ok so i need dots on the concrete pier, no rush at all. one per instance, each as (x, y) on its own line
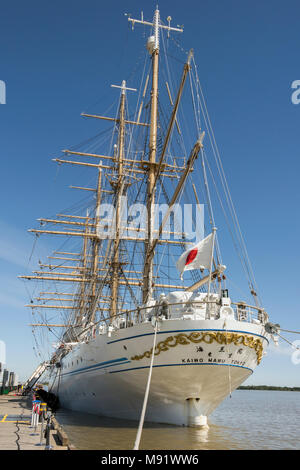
(15, 430)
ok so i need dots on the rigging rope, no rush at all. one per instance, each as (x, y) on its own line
(287, 341)
(33, 248)
(290, 331)
(239, 236)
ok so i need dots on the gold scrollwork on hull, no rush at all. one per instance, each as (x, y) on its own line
(206, 337)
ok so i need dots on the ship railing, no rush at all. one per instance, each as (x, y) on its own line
(192, 309)
(249, 313)
(207, 309)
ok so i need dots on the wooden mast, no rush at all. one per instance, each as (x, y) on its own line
(153, 47)
(148, 266)
(84, 264)
(115, 263)
(96, 247)
(118, 186)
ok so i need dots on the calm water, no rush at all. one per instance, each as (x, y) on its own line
(248, 420)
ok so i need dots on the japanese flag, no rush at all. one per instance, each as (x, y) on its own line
(198, 257)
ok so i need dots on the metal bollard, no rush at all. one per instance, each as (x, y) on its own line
(47, 432)
(35, 415)
(32, 414)
(42, 410)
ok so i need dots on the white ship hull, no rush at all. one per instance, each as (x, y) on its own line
(194, 369)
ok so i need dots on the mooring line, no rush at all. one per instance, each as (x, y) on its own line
(141, 423)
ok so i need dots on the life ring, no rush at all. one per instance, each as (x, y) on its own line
(226, 312)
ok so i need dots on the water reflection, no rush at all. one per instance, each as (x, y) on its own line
(95, 433)
(200, 436)
(243, 422)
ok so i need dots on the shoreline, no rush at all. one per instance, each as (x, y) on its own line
(269, 388)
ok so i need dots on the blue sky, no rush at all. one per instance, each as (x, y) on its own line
(59, 58)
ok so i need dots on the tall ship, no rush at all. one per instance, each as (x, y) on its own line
(137, 282)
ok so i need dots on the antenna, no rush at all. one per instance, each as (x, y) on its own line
(156, 25)
(123, 87)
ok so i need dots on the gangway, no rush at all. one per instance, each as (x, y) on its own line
(35, 375)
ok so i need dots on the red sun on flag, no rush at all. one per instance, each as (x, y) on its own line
(191, 256)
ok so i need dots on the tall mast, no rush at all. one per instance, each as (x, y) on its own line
(153, 47)
(96, 246)
(148, 266)
(84, 265)
(118, 187)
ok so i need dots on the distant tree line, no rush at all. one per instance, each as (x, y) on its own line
(269, 387)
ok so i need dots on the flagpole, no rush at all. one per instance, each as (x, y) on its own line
(214, 229)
